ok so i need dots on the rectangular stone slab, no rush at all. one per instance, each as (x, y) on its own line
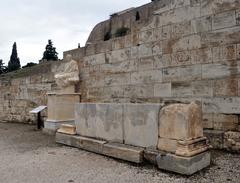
(109, 121)
(182, 165)
(102, 121)
(85, 119)
(124, 152)
(88, 144)
(141, 124)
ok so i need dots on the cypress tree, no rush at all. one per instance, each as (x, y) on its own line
(50, 52)
(2, 67)
(14, 63)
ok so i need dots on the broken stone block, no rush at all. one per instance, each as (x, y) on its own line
(124, 152)
(67, 129)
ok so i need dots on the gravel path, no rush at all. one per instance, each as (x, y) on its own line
(28, 156)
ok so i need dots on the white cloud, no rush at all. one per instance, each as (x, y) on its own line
(67, 22)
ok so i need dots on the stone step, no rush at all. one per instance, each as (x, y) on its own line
(67, 129)
(178, 164)
(124, 152)
(116, 150)
(183, 165)
(85, 143)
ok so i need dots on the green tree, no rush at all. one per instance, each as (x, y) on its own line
(2, 67)
(14, 63)
(50, 52)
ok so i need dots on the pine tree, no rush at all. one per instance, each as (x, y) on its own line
(50, 53)
(14, 63)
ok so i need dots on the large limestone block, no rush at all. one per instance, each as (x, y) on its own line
(141, 124)
(61, 106)
(109, 122)
(85, 119)
(103, 121)
(226, 105)
(181, 122)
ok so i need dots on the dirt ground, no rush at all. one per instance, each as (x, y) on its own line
(28, 156)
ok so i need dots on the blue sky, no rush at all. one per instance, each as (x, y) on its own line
(67, 22)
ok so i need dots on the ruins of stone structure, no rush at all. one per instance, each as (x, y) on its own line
(169, 136)
(167, 52)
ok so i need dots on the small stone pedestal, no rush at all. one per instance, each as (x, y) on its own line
(181, 139)
(61, 107)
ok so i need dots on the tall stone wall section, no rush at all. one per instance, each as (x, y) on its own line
(24, 90)
(179, 50)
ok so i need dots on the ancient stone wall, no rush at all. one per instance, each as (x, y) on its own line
(24, 90)
(178, 50)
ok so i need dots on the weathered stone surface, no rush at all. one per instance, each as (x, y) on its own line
(61, 106)
(141, 124)
(65, 139)
(124, 152)
(223, 20)
(67, 129)
(181, 89)
(169, 145)
(109, 122)
(186, 73)
(70, 74)
(215, 137)
(85, 119)
(227, 105)
(163, 90)
(207, 121)
(225, 122)
(146, 77)
(224, 53)
(118, 55)
(95, 59)
(181, 122)
(178, 15)
(215, 71)
(181, 165)
(202, 88)
(226, 87)
(202, 24)
(117, 79)
(151, 155)
(85, 143)
(232, 141)
(90, 144)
